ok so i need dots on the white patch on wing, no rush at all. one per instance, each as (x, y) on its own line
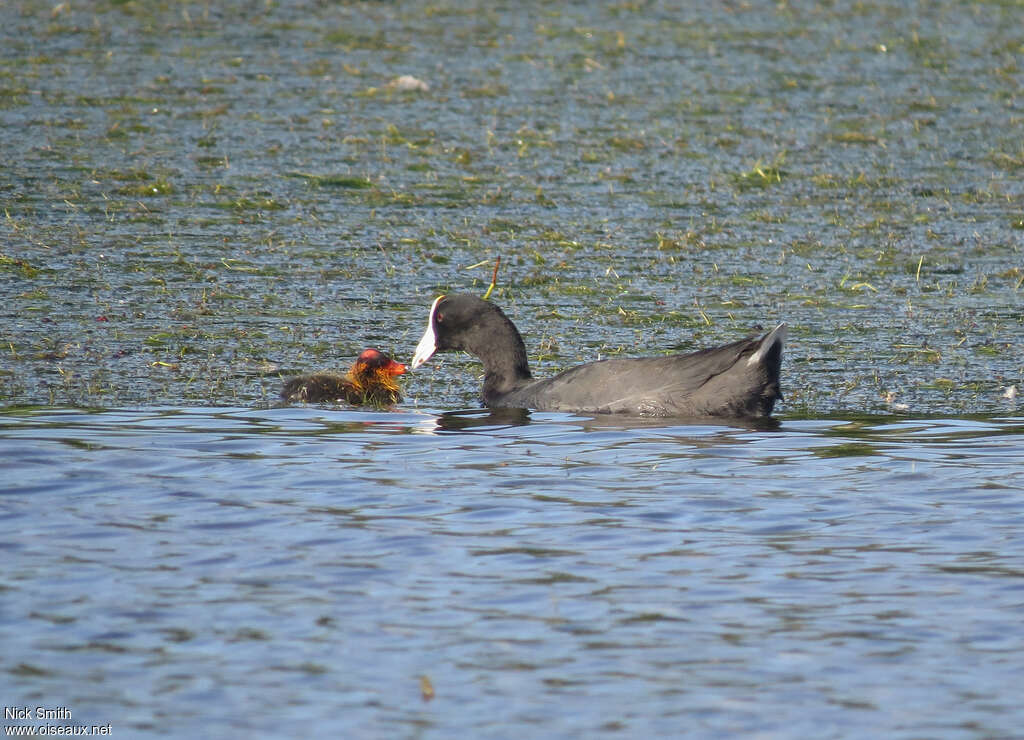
(776, 336)
(428, 342)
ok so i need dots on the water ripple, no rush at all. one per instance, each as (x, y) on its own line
(868, 571)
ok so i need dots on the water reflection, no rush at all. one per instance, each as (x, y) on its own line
(480, 419)
(251, 556)
(470, 419)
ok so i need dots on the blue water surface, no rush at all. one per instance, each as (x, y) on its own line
(305, 571)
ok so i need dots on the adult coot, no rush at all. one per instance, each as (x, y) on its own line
(736, 380)
(370, 381)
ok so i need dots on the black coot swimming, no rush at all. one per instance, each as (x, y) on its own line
(737, 380)
(370, 381)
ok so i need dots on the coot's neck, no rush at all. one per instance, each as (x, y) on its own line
(503, 354)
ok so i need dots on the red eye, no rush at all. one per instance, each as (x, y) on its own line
(440, 318)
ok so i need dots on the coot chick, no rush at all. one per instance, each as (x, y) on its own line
(737, 380)
(370, 381)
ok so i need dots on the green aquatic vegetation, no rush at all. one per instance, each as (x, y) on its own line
(536, 279)
(237, 265)
(38, 294)
(579, 289)
(554, 238)
(14, 264)
(683, 319)
(626, 143)
(676, 319)
(542, 199)
(503, 225)
(250, 204)
(445, 192)
(13, 97)
(486, 90)
(673, 244)
(620, 177)
(924, 104)
(991, 350)
(149, 189)
(931, 52)
(916, 354)
(393, 135)
(378, 197)
(353, 40)
(848, 449)
(768, 217)
(160, 339)
(122, 175)
(745, 280)
(854, 137)
(761, 175)
(211, 162)
(592, 169)
(1008, 161)
(351, 182)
